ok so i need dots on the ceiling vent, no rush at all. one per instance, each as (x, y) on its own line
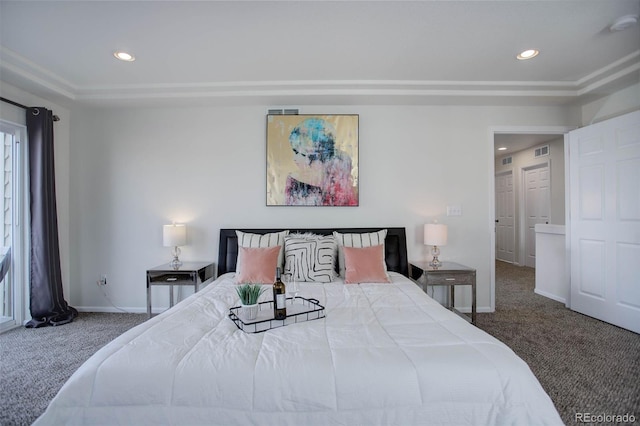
(283, 111)
(507, 160)
(541, 151)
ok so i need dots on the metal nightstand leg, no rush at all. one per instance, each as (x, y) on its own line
(148, 296)
(452, 290)
(473, 300)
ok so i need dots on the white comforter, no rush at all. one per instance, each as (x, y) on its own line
(384, 354)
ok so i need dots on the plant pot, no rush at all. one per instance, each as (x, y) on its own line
(250, 312)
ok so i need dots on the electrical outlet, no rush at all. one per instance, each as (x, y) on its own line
(102, 280)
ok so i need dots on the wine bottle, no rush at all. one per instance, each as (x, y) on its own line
(279, 298)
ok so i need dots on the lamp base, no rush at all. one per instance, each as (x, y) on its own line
(435, 262)
(176, 263)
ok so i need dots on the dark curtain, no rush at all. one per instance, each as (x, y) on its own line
(47, 303)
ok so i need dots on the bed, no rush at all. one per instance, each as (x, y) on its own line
(385, 353)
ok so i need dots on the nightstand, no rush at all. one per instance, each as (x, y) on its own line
(190, 273)
(449, 274)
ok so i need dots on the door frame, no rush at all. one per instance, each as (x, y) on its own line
(494, 130)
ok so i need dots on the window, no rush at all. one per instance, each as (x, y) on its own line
(13, 285)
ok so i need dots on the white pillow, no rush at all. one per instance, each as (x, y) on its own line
(248, 240)
(367, 239)
(310, 257)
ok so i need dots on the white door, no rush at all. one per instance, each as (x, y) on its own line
(537, 207)
(604, 179)
(505, 232)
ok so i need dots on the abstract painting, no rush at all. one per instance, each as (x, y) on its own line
(312, 160)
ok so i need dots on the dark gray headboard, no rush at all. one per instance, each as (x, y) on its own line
(395, 246)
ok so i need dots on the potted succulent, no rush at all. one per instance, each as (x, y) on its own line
(249, 295)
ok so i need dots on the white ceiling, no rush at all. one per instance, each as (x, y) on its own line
(519, 142)
(304, 52)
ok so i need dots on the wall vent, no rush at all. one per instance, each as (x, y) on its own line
(283, 111)
(507, 160)
(541, 151)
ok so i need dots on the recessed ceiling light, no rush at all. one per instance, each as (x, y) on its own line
(502, 148)
(624, 22)
(528, 54)
(124, 56)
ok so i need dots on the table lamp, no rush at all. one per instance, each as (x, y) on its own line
(435, 235)
(175, 235)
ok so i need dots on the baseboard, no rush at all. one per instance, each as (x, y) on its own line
(125, 310)
(551, 296)
(158, 310)
(479, 310)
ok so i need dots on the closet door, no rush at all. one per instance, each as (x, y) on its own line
(505, 231)
(605, 220)
(537, 206)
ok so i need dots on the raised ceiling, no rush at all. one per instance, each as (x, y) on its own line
(291, 52)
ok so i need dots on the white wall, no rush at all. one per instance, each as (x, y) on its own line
(135, 169)
(618, 103)
(123, 173)
(551, 263)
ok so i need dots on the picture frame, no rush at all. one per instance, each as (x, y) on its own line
(312, 160)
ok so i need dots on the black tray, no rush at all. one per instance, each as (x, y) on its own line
(300, 311)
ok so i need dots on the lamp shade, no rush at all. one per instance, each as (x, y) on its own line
(435, 234)
(174, 235)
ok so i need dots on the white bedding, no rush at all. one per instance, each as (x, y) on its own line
(384, 354)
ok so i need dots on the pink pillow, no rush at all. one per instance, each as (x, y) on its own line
(258, 265)
(364, 265)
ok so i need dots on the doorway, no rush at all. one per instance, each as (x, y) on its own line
(519, 140)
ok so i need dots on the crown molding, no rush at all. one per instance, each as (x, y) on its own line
(624, 63)
(30, 76)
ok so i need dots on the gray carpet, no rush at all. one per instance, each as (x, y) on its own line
(35, 362)
(585, 365)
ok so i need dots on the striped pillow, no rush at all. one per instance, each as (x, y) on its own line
(367, 239)
(310, 257)
(249, 240)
